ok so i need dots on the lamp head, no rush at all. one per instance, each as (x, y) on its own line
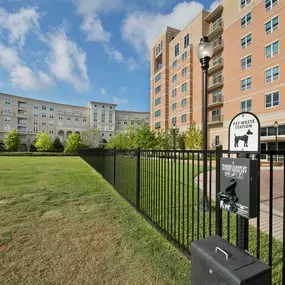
(205, 48)
(276, 124)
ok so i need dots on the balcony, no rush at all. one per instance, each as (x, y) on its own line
(23, 115)
(22, 123)
(216, 82)
(210, 17)
(216, 101)
(5, 113)
(59, 112)
(216, 65)
(22, 105)
(215, 29)
(216, 120)
(218, 45)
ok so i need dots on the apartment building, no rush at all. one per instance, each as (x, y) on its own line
(30, 116)
(245, 71)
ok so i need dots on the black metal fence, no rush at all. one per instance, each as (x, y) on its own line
(166, 188)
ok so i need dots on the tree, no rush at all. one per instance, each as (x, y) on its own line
(12, 141)
(181, 140)
(90, 138)
(43, 142)
(145, 138)
(73, 144)
(194, 137)
(57, 145)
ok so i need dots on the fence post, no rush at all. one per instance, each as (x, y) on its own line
(219, 213)
(138, 180)
(114, 167)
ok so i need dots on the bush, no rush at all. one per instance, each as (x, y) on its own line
(43, 142)
(35, 154)
(73, 144)
(12, 141)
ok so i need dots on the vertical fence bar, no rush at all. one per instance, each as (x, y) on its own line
(114, 167)
(270, 209)
(188, 203)
(258, 212)
(179, 199)
(164, 192)
(183, 201)
(156, 188)
(158, 177)
(219, 213)
(193, 197)
(168, 194)
(198, 199)
(171, 198)
(283, 255)
(210, 197)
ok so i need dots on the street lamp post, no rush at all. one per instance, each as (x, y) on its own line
(174, 137)
(204, 53)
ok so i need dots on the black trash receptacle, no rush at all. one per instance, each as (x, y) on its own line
(217, 262)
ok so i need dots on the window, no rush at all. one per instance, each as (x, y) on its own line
(84, 120)
(272, 74)
(216, 115)
(7, 110)
(243, 3)
(246, 20)
(272, 100)
(44, 123)
(103, 115)
(76, 119)
(184, 87)
(36, 114)
(36, 121)
(174, 121)
(36, 129)
(174, 63)
(51, 116)
(110, 118)
(95, 115)
(44, 107)
(7, 119)
(245, 62)
(272, 25)
(217, 78)
(157, 113)
(184, 102)
(174, 106)
(132, 122)
(184, 56)
(7, 101)
(68, 118)
(176, 50)
(183, 118)
(44, 115)
(157, 101)
(158, 48)
(157, 125)
(184, 71)
(186, 41)
(269, 4)
(245, 106)
(245, 84)
(51, 108)
(218, 60)
(174, 92)
(60, 117)
(51, 122)
(157, 77)
(272, 50)
(217, 96)
(157, 89)
(263, 132)
(245, 41)
(281, 130)
(174, 78)
(217, 140)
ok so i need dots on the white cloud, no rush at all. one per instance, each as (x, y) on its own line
(215, 4)
(18, 24)
(103, 92)
(123, 89)
(20, 75)
(141, 28)
(67, 61)
(119, 101)
(114, 54)
(131, 64)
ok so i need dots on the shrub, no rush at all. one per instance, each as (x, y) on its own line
(43, 142)
(22, 153)
(12, 141)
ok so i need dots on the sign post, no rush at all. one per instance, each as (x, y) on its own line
(239, 176)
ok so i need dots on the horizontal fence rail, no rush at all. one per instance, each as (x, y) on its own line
(166, 187)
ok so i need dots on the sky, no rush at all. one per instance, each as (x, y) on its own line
(76, 51)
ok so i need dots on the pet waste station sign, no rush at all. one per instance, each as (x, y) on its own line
(244, 133)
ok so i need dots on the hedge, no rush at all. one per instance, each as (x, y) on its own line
(22, 153)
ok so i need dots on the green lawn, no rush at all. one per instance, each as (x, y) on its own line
(61, 223)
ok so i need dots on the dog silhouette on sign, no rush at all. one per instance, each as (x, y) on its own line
(243, 138)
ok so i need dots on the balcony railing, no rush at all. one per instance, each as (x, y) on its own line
(6, 113)
(216, 119)
(22, 106)
(22, 123)
(216, 100)
(215, 82)
(23, 115)
(217, 45)
(216, 28)
(216, 65)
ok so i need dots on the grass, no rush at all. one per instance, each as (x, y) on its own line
(170, 198)
(61, 223)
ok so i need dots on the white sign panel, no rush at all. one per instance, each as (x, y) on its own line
(244, 133)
